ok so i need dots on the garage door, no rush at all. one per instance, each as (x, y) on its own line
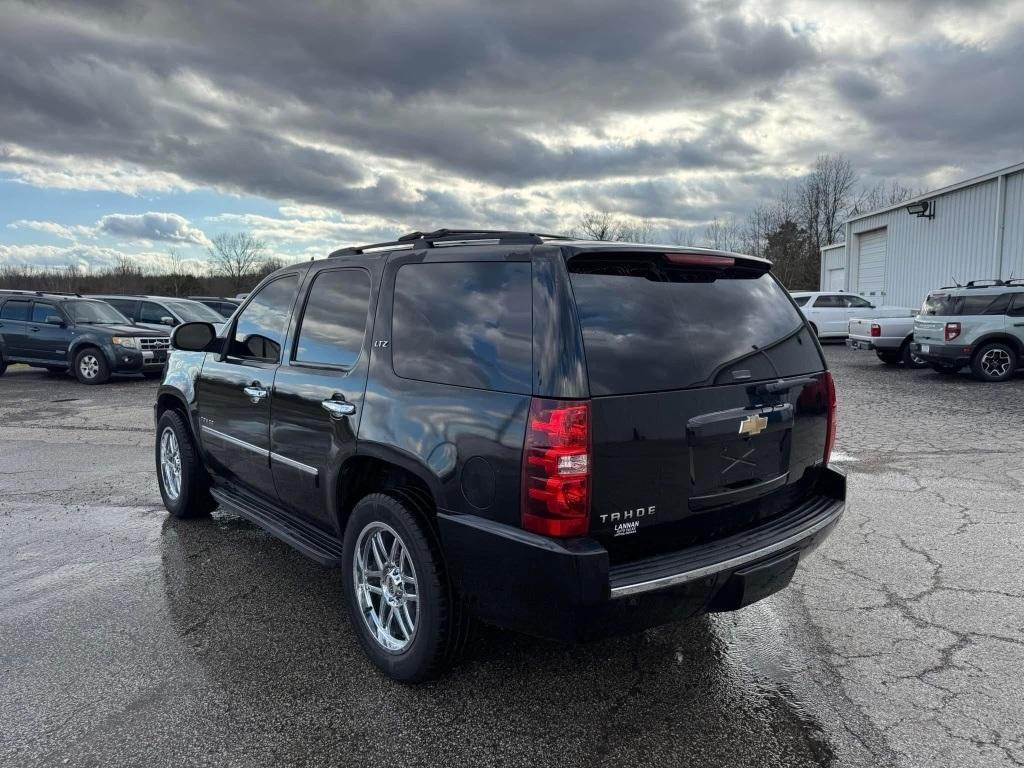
(871, 274)
(836, 279)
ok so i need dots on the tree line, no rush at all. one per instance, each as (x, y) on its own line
(790, 229)
(237, 262)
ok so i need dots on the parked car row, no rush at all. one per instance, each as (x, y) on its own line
(94, 337)
(979, 325)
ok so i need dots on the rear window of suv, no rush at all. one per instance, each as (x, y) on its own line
(650, 326)
(947, 305)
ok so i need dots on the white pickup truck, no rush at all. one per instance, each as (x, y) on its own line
(889, 337)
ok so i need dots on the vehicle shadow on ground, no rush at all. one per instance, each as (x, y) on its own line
(271, 628)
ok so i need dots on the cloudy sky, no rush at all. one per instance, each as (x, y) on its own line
(138, 127)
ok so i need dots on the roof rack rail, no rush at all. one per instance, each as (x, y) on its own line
(988, 283)
(452, 237)
(20, 292)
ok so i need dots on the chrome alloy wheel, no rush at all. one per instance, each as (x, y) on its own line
(385, 587)
(89, 365)
(170, 463)
(917, 360)
(995, 363)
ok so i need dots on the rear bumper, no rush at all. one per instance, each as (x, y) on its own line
(568, 589)
(876, 343)
(943, 354)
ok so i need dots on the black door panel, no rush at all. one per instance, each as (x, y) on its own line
(318, 393)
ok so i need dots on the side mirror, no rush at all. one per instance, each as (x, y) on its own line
(872, 306)
(55, 320)
(193, 337)
(167, 320)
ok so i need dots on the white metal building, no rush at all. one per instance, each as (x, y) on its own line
(973, 230)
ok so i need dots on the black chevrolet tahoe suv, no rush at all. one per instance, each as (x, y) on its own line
(562, 437)
(61, 332)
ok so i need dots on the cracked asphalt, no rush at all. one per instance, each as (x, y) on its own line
(129, 638)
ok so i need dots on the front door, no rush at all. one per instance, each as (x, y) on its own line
(46, 341)
(233, 392)
(318, 393)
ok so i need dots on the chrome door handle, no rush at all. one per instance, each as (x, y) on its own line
(338, 408)
(255, 393)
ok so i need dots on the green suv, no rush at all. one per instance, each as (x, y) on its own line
(980, 325)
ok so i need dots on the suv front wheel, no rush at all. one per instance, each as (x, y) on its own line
(994, 362)
(184, 485)
(91, 366)
(401, 604)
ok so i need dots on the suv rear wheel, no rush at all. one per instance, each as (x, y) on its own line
(184, 485)
(995, 361)
(401, 604)
(91, 366)
(909, 359)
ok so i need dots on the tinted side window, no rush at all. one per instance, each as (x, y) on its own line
(260, 329)
(14, 310)
(829, 302)
(1017, 307)
(334, 322)
(124, 306)
(151, 312)
(42, 311)
(468, 323)
(857, 302)
(800, 300)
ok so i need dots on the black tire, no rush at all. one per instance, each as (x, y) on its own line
(909, 359)
(91, 366)
(439, 625)
(193, 497)
(944, 368)
(994, 361)
(3, 365)
(889, 358)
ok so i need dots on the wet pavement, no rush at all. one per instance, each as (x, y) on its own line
(129, 638)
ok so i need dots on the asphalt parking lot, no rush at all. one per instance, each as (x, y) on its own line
(129, 638)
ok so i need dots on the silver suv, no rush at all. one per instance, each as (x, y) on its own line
(980, 325)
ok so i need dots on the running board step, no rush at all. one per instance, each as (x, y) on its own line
(309, 540)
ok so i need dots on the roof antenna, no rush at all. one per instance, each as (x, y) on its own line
(956, 282)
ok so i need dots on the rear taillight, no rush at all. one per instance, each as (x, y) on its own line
(830, 400)
(556, 468)
(952, 331)
(876, 330)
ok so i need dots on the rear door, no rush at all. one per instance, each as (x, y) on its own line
(318, 392)
(14, 318)
(46, 341)
(233, 391)
(830, 313)
(688, 441)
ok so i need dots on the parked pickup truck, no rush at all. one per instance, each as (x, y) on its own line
(889, 337)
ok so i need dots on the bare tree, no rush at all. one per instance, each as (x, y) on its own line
(686, 237)
(597, 225)
(723, 234)
(825, 197)
(237, 257)
(882, 195)
(639, 231)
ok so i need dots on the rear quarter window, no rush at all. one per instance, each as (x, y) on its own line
(650, 327)
(465, 323)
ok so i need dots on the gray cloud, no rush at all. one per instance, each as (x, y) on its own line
(407, 112)
(166, 227)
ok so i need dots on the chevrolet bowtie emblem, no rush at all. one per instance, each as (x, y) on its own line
(753, 425)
